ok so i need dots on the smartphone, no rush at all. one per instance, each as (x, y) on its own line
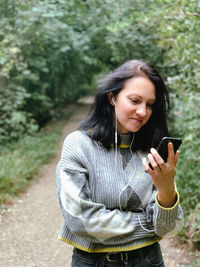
(162, 148)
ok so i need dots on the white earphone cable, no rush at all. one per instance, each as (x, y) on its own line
(134, 171)
(135, 167)
(116, 139)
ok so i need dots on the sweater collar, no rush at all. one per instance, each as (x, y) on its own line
(124, 140)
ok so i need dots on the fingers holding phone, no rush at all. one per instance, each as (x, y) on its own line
(157, 166)
(162, 169)
(166, 150)
(155, 160)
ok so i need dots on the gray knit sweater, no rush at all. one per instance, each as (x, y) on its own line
(109, 203)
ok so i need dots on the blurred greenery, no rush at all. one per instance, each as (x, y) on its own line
(51, 51)
(20, 161)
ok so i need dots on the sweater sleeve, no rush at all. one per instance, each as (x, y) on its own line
(85, 218)
(163, 219)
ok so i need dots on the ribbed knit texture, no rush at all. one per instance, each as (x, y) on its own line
(108, 204)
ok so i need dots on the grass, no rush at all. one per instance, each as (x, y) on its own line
(22, 160)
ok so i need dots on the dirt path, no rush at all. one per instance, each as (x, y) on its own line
(29, 228)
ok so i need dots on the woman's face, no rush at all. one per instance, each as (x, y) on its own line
(134, 104)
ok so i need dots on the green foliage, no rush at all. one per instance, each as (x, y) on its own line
(186, 119)
(130, 37)
(13, 121)
(122, 33)
(51, 50)
(43, 61)
(21, 161)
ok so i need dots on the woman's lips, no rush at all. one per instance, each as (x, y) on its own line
(139, 121)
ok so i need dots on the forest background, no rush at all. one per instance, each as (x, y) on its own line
(53, 51)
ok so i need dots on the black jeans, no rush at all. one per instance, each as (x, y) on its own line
(149, 256)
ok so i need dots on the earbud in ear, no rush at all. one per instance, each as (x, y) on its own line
(113, 101)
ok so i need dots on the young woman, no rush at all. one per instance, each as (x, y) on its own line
(116, 208)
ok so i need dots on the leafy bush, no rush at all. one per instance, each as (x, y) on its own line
(44, 62)
(13, 121)
(186, 119)
(21, 161)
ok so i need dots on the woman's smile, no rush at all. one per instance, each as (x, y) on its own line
(135, 120)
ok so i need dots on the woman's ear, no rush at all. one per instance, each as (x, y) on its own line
(111, 98)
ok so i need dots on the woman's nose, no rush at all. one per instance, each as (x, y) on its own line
(141, 110)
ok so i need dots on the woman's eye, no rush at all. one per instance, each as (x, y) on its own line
(135, 101)
(150, 106)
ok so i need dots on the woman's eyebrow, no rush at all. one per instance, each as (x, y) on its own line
(136, 95)
(152, 100)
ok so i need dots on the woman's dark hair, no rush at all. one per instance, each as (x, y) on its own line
(100, 118)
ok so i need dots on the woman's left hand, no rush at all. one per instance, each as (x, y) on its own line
(163, 175)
